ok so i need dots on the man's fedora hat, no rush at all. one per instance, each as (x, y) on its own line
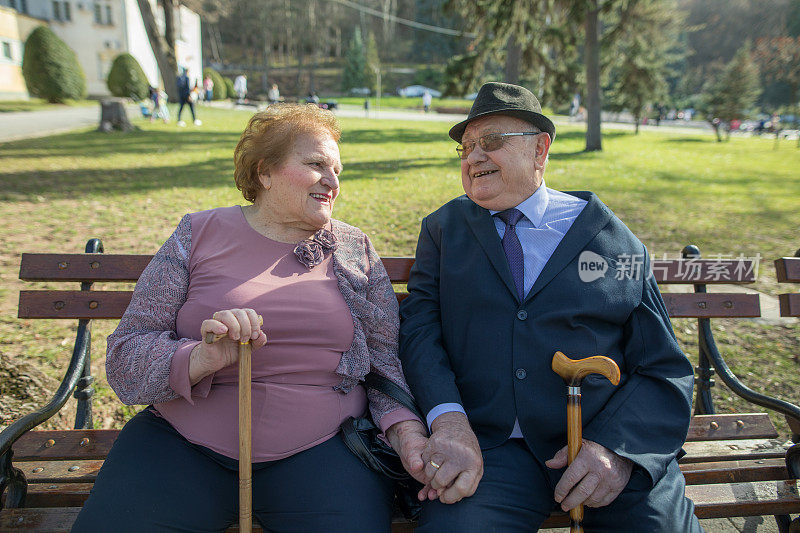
(496, 98)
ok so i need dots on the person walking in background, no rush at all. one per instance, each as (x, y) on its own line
(426, 101)
(185, 98)
(240, 86)
(208, 87)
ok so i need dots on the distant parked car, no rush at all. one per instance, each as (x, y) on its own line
(415, 91)
(360, 91)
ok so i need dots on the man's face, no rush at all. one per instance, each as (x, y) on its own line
(503, 178)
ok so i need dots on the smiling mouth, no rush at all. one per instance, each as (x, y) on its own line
(483, 173)
(322, 198)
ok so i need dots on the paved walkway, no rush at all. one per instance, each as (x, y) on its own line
(29, 124)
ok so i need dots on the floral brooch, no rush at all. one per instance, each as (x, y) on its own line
(311, 252)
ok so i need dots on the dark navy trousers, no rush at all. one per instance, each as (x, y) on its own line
(155, 480)
(515, 495)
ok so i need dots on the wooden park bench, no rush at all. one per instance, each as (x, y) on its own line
(734, 463)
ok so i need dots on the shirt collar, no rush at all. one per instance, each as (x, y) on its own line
(534, 206)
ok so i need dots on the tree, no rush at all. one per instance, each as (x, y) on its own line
(163, 46)
(779, 61)
(355, 65)
(548, 33)
(51, 69)
(733, 94)
(127, 79)
(372, 63)
(643, 51)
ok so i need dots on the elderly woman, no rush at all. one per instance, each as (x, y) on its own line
(329, 317)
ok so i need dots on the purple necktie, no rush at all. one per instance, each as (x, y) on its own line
(513, 248)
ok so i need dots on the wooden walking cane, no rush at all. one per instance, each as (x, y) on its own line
(245, 433)
(573, 371)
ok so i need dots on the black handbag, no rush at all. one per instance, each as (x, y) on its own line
(361, 436)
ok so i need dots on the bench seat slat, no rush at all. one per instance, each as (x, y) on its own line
(711, 501)
(731, 426)
(61, 519)
(33, 445)
(745, 499)
(695, 473)
(69, 471)
(789, 304)
(733, 450)
(787, 269)
(734, 471)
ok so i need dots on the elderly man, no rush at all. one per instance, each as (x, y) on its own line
(497, 288)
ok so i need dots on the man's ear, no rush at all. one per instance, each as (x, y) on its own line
(542, 149)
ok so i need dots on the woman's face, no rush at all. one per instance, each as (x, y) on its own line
(300, 193)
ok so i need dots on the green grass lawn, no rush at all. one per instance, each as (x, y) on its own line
(37, 104)
(130, 190)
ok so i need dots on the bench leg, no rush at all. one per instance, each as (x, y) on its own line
(83, 389)
(704, 403)
(14, 481)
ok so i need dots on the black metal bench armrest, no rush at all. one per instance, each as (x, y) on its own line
(709, 348)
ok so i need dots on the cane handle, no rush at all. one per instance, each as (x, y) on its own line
(573, 371)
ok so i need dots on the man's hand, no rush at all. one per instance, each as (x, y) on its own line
(408, 439)
(595, 478)
(454, 448)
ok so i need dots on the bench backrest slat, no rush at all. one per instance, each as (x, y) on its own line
(73, 304)
(82, 267)
(789, 304)
(112, 304)
(787, 269)
(712, 305)
(111, 267)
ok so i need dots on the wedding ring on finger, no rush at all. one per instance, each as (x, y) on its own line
(436, 466)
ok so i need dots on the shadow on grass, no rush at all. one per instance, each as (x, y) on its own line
(376, 136)
(72, 184)
(388, 168)
(96, 144)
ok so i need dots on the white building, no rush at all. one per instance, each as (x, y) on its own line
(100, 30)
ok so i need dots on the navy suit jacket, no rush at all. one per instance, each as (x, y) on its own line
(466, 338)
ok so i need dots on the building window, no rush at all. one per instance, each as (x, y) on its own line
(7, 50)
(61, 11)
(23, 6)
(102, 14)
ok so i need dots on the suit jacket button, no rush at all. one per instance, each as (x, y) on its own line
(520, 373)
(522, 314)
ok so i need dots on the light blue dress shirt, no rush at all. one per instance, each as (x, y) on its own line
(548, 216)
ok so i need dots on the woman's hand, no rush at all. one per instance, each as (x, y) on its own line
(235, 324)
(408, 438)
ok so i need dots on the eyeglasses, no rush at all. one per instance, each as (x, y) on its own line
(489, 143)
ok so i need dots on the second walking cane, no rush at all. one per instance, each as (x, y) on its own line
(573, 371)
(245, 434)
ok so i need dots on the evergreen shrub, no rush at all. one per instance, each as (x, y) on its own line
(127, 79)
(51, 69)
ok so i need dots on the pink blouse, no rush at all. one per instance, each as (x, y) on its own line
(298, 397)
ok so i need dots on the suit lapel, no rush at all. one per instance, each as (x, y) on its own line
(587, 225)
(480, 222)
